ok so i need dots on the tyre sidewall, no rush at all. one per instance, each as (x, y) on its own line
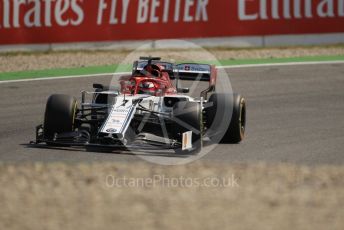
(59, 115)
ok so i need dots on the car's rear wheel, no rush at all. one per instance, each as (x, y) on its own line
(59, 116)
(188, 117)
(225, 106)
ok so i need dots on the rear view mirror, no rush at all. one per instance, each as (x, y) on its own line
(183, 90)
(98, 86)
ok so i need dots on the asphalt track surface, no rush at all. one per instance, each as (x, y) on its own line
(295, 114)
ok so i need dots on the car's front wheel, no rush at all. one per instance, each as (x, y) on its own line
(59, 116)
(226, 118)
(188, 119)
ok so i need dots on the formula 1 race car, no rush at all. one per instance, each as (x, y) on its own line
(147, 111)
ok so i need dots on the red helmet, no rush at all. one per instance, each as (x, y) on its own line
(147, 87)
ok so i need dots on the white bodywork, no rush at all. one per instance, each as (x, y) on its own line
(125, 107)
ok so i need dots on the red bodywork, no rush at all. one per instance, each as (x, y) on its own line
(159, 80)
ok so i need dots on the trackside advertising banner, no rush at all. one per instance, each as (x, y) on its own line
(58, 21)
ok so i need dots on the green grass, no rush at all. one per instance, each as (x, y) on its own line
(281, 60)
(124, 68)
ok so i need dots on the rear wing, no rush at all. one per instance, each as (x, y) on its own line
(185, 71)
(191, 71)
(197, 72)
(166, 66)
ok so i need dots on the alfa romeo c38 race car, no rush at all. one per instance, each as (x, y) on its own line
(147, 111)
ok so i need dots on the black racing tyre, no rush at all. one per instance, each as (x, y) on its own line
(225, 106)
(59, 116)
(188, 117)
